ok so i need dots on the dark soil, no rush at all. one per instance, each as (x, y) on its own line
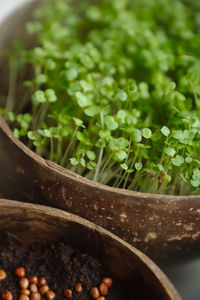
(61, 265)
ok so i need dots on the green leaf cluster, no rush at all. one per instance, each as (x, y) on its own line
(115, 92)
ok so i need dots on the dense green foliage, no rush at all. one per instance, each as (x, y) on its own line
(115, 92)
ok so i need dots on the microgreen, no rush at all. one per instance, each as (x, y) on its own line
(114, 93)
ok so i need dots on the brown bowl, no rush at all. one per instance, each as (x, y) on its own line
(31, 223)
(161, 226)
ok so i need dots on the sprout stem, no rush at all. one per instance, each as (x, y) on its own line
(63, 160)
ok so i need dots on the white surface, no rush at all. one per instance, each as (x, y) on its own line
(7, 6)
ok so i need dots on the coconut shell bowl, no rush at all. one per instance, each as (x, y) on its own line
(160, 225)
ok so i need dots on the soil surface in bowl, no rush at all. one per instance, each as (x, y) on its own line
(62, 266)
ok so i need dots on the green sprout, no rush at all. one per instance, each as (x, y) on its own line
(112, 91)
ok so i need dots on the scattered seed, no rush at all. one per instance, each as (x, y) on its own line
(7, 295)
(23, 297)
(33, 279)
(24, 283)
(2, 275)
(42, 281)
(94, 292)
(44, 289)
(50, 295)
(20, 272)
(36, 296)
(33, 288)
(108, 281)
(103, 289)
(68, 293)
(78, 287)
(25, 292)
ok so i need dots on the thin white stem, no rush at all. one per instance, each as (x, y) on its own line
(100, 153)
(98, 164)
(69, 146)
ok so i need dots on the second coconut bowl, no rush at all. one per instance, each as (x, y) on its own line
(162, 226)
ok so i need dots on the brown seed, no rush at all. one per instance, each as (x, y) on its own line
(2, 275)
(94, 292)
(7, 295)
(33, 288)
(103, 289)
(78, 287)
(44, 289)
(68, 293)
(23, 297)
(108, 281)
(25, 292)
(36, 296)
(20, 272)
(101, 298)
(50, 295)
(24, 283)
(33, 279)
(42, 281)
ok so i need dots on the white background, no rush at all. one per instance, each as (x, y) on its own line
(7, 6)
(186, 277)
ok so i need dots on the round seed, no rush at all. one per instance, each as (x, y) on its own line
(68, 293)
(42, 281)
(24, 283)
(78, 288)
(33, 279)
(50, 295)
(36, 296)
(94, 292)
(108, 281)
(20, 272)
(44, 289)
(23, 297)
(103, 289)
(25, 292)
(33, 288)
(2, 275)
(7, 295)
